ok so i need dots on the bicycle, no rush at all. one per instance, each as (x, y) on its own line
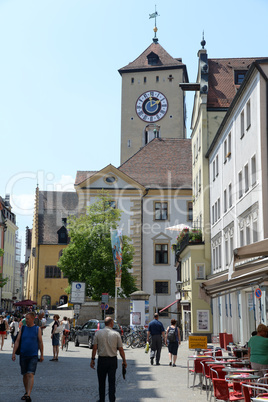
(66, 339)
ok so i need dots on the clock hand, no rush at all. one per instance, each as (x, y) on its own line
(150, 100)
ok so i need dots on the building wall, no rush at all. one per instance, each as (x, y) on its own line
(171, 125)
(9, 260)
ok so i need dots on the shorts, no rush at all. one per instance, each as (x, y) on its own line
(56, 340)
(173, 348)
(28, 364)
(3, 332)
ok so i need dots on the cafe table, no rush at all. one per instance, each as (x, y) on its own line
(241, 377)
(237, 370)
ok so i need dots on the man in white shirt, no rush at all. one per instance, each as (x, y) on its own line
(107, 342)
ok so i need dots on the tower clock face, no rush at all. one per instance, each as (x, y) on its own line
(151, 106)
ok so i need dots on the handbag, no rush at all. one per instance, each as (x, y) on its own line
(59, 329)
(18, 349)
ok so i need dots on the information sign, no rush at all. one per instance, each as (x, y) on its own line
(105, 298)
(78, 292)
(198, 342)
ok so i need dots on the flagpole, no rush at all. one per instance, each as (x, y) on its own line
(115, 305)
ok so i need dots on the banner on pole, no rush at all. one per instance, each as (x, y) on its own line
(117, 243)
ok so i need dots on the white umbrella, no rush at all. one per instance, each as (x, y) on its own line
(179, 227)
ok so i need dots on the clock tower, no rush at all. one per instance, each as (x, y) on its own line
(153, 104)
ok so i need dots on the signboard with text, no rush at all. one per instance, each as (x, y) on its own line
(198, 342)
(78, 290)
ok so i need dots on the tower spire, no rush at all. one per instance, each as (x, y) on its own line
(154, 15)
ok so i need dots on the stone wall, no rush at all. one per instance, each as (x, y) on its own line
(92, 310)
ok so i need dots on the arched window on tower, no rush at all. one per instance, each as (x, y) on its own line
(150, 132)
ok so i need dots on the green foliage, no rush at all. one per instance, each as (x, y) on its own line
(88, 258)
(3, 281)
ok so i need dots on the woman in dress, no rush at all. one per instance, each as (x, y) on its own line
(3, 330)
(14, 332)
(55, 336)
(173, 339)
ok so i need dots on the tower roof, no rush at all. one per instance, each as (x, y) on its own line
(162, 60)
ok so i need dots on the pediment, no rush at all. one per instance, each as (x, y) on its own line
(162, 236)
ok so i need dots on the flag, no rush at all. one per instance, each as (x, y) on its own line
(117, 242)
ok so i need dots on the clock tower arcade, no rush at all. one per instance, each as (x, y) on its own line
(153, 104)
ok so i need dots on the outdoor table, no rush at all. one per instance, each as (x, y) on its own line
(241, 377)
(239, 370)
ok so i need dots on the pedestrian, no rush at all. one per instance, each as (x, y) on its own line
(258, 350)
(156, 330)
(55, 336)
(14, 329)
(173, 340)
(30, 340)
(65, 330)
(3, 330)
(107, 342)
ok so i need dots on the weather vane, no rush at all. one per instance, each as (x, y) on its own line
(154, 15)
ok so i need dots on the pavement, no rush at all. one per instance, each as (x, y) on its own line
(71, 379)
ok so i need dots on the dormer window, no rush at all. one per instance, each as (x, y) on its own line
(153, 59)
(62, 235)
(239, 76)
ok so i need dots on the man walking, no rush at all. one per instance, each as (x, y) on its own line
(31, 340)
(107, 342)
(156, 329)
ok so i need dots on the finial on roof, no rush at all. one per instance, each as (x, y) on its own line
(154, 15)
(203, 42)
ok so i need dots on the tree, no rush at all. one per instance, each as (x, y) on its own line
(88, 258)
(3, 281)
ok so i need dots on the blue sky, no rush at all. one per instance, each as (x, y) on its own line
(60, 90)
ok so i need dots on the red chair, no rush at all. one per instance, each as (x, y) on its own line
(248, 389)
(206, 374)
(222, 392)
(198, 369)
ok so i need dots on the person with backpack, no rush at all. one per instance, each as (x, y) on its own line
(173, 340)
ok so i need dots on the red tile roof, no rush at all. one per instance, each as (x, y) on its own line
(165, 163)
(83, 175)
(221, 83)
(141, 62)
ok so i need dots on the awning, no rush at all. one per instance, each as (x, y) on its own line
(257, 249)
(63, 305)
(171, 304)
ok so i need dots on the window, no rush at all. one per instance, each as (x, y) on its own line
(219, 208)
(253, 170)
(161, 254)
(129, 143)
(62, 235)
(217, 165)
(196, 186)
(247, 235)
(225, 151)
(144, 80)
(225, 200)
(161, 210)
(190, 211)
(255, 232)
(248, 115)
(199, 271)
(241, 238)
(214, 169)
(199, 175)
(219, 256)
(52, 271)
(161, 287)
(242, 125)
(212, 215)
(194, 154)
(246, 178)
(229, 145)
(226, 253)
(216, 212)
(231, 247)
(230, 196)
(240, 193)
(214, 258)
(157, 78)
(132, 80)
(239, 76)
